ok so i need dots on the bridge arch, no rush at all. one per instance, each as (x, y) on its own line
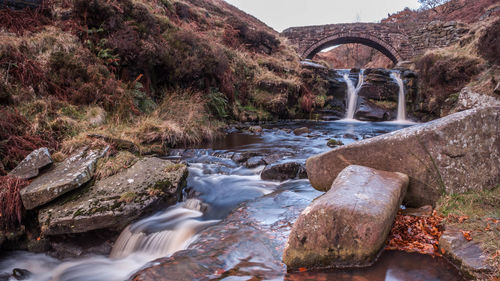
(346, 38)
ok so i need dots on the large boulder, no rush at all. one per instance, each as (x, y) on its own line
(66, 176)
(457, 153)
(283, 171)
(116, 201)
(30, 166)
(348, 225)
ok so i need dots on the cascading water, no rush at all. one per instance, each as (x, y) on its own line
(151, 238)
(161, 234)
(401, 97)
(352, 94)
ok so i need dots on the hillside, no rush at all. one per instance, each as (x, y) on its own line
(154, 73)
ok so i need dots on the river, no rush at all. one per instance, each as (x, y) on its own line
(231, 224)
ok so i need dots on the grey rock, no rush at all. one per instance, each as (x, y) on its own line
(243, 157)
(269, 159)
(254, 162)
(283, 171)
(66, 176)
(116, 201)
(30, 166)
(466, 255)
(454, 154)
(469, 99)
(348, 225)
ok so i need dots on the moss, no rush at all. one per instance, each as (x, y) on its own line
(128, 197)
(334, 143)
(385, 104)
(174, 167)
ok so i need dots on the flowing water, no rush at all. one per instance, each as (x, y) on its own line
(232, 225)
(401, 117)
(352, 94)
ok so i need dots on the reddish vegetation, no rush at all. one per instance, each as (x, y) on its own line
(489, 43)
(416, 234)
(21, 21)
(17, 140)
(455, 10)
(11, 206)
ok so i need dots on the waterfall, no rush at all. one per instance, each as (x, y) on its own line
(352, 94)
(401, 97)
(161, 234)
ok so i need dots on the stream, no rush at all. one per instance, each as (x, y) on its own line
(231, 225)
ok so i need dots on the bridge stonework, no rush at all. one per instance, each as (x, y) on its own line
(398, 42)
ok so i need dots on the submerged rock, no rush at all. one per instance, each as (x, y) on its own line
(466, 255)
(284, 171)
(30, 166)
(348, 225)
(115, 201)
(254, 162)
(454, 154)
(66, 176)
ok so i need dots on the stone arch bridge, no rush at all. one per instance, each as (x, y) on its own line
(398, 42)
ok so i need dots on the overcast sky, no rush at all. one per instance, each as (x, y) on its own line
(281, 14)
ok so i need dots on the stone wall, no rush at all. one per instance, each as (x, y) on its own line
(397, 41)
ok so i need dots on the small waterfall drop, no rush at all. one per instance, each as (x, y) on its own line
(352, 94)
(401, 97)
(162, 234)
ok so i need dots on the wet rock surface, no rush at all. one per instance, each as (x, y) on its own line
(63, 177)
(284, 171)
(348, 225)
(369, 111)
(466, 255)
(457, 153)
(116, 201)
(30, 166)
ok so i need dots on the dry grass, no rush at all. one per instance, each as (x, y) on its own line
(181, 119)
(479, 213)
(110, 166)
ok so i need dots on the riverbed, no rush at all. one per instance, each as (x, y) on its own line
(231, 224)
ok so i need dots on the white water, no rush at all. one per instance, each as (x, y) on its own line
(401, 97)
(352, 94)
(154, 237)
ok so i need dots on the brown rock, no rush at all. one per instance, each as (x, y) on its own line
(457, 153)
(423, 211)
(283, 171)
(466, 255)
(348, 225)
(301, 131)
(30, 166)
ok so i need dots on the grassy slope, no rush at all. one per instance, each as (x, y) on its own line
(158, 73)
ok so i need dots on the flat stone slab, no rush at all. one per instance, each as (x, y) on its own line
(466, 255)
(68, 175)
(30, 166)
(454, 154)
(116, 201)
(348, 225)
